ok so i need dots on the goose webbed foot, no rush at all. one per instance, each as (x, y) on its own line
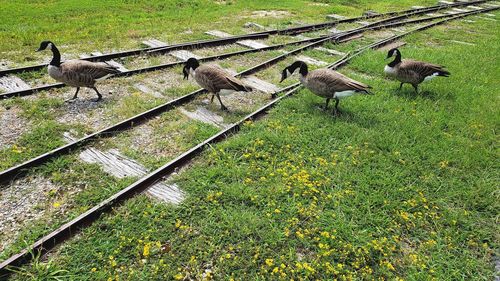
(74, 96)
(99, 96)
(222, 106)
(326, 105)
(416, 89)
(336, 110)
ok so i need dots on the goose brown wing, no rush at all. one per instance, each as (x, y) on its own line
(80, 69)
(421, 69)
(219, 79)
(337, 81)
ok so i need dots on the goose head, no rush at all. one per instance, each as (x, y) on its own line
(45, 45)
(289, 70)
(190, 65)
(393, 52)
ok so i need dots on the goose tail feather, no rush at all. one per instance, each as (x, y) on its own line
(111, 69)
(444, 73)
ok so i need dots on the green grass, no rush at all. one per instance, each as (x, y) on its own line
(42, 138)
(400, 186)
(124, 24)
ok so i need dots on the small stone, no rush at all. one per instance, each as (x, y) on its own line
(370, 13)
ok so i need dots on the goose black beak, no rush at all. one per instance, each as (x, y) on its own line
(283, 77)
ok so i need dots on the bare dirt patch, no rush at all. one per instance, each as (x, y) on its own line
(392, 45)
(21, 203)
(269, 14)
(97, 115)
(5, 64)
(84, 111)
(12, 126)
(205, 52)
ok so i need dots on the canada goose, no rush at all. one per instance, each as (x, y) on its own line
(213, 79)
(411, 71)
(77, 73)
(326, 83)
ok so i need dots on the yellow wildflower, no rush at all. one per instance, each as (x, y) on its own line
(145, 251)
(443, 164)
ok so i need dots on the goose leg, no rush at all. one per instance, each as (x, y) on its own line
(336, 110)
(222, 106)
(416, 88)
(326, 105)
(99, 96)
(401, 86)
(212, 98)
(75, 96)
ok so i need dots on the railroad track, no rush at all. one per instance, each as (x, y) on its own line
(393, 16)
(398, 20)
(62, 233)
(233, 39)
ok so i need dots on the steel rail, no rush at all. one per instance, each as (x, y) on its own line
(202, 43)
(274, 47)
(20, 169)
(31, 91)
(233, 39)
(69, 229)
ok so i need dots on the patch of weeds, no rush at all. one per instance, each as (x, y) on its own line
(40, 139)
(32, 75)
(42, 108)
(39, 270)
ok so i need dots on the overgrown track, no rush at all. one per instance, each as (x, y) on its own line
(21, 169)
(67, 230)
(393, 16)
(233, 39)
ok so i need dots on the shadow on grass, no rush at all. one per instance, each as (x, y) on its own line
(411, 95)
(346, 115)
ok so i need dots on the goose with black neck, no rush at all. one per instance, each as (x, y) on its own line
(411, 71)
(77, 73)
(326, 83)
(213, 79)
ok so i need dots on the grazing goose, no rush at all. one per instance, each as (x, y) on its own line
(77, 73)
(411, 71)
(213, 79)
(326, 83)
